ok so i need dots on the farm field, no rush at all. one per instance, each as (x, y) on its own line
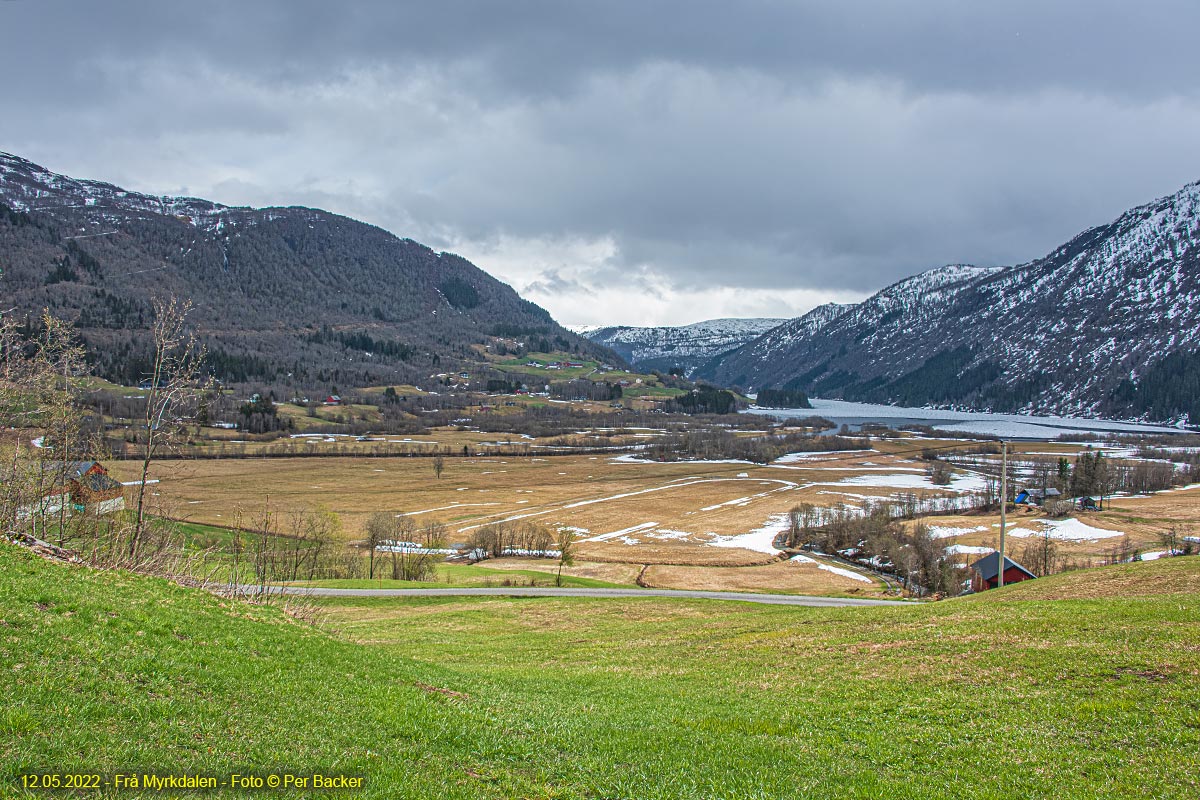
(697, 524)
(1014, 692)
(625, 511)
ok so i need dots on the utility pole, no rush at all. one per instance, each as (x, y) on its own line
(1003, 508)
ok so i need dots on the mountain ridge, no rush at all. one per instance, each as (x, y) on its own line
(281, 294)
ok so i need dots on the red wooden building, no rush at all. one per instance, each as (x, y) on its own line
(985, 572)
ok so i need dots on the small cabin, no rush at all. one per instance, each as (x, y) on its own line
(985, 572)
(333, 400)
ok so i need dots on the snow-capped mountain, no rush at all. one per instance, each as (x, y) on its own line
(1107, 323)
(30, 187)
(684, 346)
(779, 338)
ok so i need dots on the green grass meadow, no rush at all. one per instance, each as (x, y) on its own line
(1001, 695)
(460, 575)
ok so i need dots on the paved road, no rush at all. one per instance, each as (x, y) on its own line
(539, 591)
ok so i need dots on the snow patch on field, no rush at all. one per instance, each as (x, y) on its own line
(444, 508)
(1068, 530)
(945, 532)
(634, 458)
(845, 573)
(847, 468)
(760, 540)
(960, 483)
(623, 532)
(740, 501)
(665, 533)
(1155, 555)
(855, 496)
(967, 550)
(792, 458)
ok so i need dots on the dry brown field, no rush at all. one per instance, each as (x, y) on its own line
(688, 524)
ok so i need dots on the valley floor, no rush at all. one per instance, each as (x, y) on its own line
(680, 525)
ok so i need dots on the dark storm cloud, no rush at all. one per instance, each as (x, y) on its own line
(684, 145)
(1103, 45)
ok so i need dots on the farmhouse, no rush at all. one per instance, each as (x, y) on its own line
(1037, 497)
(333, 400)
(985, 572)
(86, 485)
(97, 493)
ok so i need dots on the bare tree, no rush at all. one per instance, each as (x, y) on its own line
(379, 529)
(404, 534)
(1040, 554)
(62, 360)
(439, 464)
(940, 473)
(37, 397)
(172, 386)
(321, 529)
(1170, 540)
(566, 552)
(794, 527)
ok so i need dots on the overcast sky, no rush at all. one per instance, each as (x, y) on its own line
(632, 163)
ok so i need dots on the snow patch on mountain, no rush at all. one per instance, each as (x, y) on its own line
(685, 346)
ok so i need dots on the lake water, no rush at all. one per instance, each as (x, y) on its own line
(1009, 426)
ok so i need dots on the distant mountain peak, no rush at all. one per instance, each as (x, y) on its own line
(683, 346)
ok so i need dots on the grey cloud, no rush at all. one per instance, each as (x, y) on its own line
(757, 145)
(1103, 45)
(554, 282)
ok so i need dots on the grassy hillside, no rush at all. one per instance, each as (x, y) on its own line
(566, 698)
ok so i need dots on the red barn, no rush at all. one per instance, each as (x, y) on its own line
(985, 572)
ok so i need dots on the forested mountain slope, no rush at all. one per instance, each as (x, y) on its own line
(277, 291)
